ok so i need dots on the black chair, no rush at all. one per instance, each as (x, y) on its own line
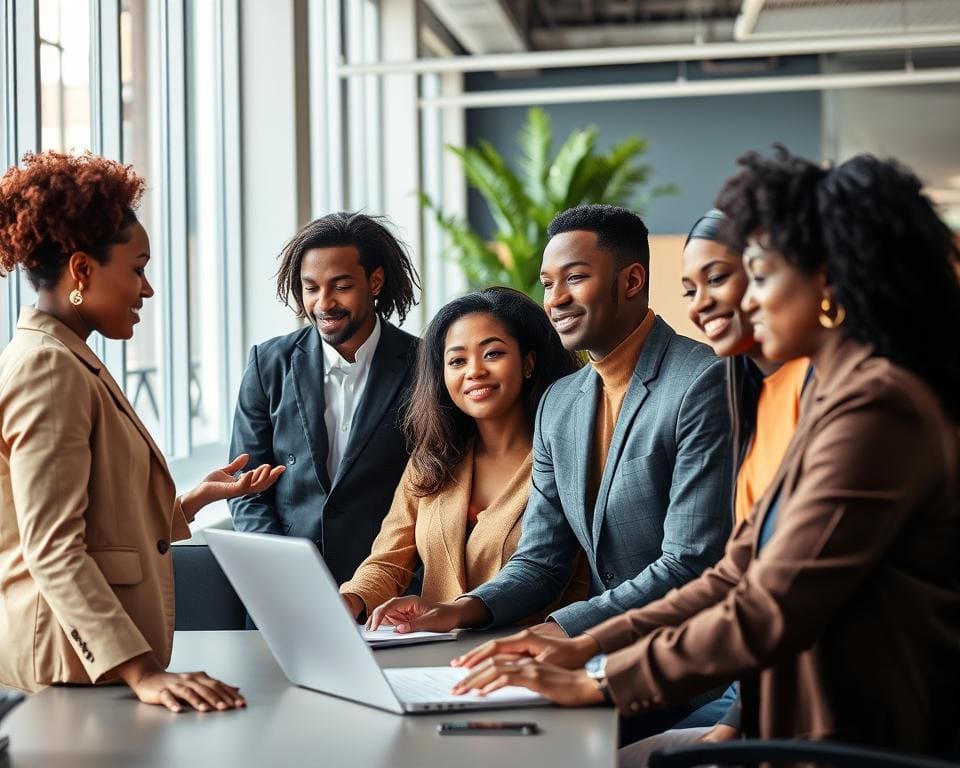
(779, 751)
(204, 597)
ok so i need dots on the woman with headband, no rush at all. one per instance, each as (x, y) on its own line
(837, 603)
(764, 400)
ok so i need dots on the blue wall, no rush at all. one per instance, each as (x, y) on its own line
(694, 142)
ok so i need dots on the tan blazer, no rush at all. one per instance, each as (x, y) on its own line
(846, 625)
(433, 530)
(87, 512)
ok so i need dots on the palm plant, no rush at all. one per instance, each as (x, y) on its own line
(522, 206)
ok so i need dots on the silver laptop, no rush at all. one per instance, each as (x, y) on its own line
(294, 600)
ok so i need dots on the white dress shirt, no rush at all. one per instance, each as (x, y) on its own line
(343, 385)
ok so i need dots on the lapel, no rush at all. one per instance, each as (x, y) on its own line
(388, 370)
(584, 426)
(646, 369)
(450, 516)
(307, 367)
(833, 366)
(34, 319)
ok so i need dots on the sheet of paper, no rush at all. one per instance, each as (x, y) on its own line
(387, 634)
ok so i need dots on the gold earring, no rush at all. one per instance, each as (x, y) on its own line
(76, 295)
(825, 320)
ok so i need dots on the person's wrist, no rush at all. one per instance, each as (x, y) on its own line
(134, 670)
(587, 646)
(596, 670)
(470, 611)
(192, 501)
(357, 606)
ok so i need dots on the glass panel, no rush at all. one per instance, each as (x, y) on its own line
(205, 231)
(64, 74)
(140, 77)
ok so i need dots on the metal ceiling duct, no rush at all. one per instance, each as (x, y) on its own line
(784, 19)
(481, 26)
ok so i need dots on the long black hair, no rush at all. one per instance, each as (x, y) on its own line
(436, 429)
(376, 246)
(888, 257)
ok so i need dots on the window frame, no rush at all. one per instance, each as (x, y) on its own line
(20, 128)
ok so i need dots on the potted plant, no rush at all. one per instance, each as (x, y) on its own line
(522, 205)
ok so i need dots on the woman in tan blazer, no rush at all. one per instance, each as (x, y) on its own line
(837, 603)
(87, 506)
(485, 361)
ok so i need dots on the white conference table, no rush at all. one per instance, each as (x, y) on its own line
(285, 726)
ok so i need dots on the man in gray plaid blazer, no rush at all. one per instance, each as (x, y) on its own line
(631, 453)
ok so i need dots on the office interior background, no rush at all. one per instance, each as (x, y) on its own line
(250, 117)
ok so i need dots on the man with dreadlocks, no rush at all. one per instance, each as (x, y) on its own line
(326, 399)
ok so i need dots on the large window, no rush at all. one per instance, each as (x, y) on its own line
(64, 74)
(153, 84)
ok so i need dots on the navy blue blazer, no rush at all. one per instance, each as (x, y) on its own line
(279, 420)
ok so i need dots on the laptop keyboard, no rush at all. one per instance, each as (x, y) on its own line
(432, 685)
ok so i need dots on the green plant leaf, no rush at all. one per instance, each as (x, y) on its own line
(566, 165)
(479, 263)
(536, 142)
(523, 204)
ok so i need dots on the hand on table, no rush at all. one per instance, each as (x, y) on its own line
(568, 688)
(564, 652)
(197, 690)
(414, 614)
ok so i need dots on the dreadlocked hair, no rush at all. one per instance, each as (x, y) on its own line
(376, 246)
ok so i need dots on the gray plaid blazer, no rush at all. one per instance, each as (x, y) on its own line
(662, 513)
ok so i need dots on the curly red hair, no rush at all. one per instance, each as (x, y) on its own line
(56, 204)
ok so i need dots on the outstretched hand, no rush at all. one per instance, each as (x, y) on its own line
(229, 482)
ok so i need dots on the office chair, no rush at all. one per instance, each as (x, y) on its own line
(204, 597)
(777, 751)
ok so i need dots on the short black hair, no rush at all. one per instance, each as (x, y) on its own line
(376, 246)
(888, 257)
(619, 231)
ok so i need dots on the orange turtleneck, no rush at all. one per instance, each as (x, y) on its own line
(615, 371)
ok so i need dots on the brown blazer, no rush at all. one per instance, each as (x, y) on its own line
(87, 512)
(846, 625)
(433, 530)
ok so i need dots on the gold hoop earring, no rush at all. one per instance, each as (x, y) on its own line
(831, 322)
(76, 295)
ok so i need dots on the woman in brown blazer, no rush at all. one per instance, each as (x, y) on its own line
(837, 603)
(485, 361)
(87, 506)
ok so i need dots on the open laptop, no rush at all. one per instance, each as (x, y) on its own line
(294, 600)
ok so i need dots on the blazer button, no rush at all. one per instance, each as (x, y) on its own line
(163, 546)
(291, 459)
(634, 706)
(608, 577)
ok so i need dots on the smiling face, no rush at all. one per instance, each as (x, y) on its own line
(483, 368)
(714, 282)
(783, 304)
(115, 291)
(584, 294)
(338, 297)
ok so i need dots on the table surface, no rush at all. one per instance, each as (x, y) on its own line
(284, 725)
